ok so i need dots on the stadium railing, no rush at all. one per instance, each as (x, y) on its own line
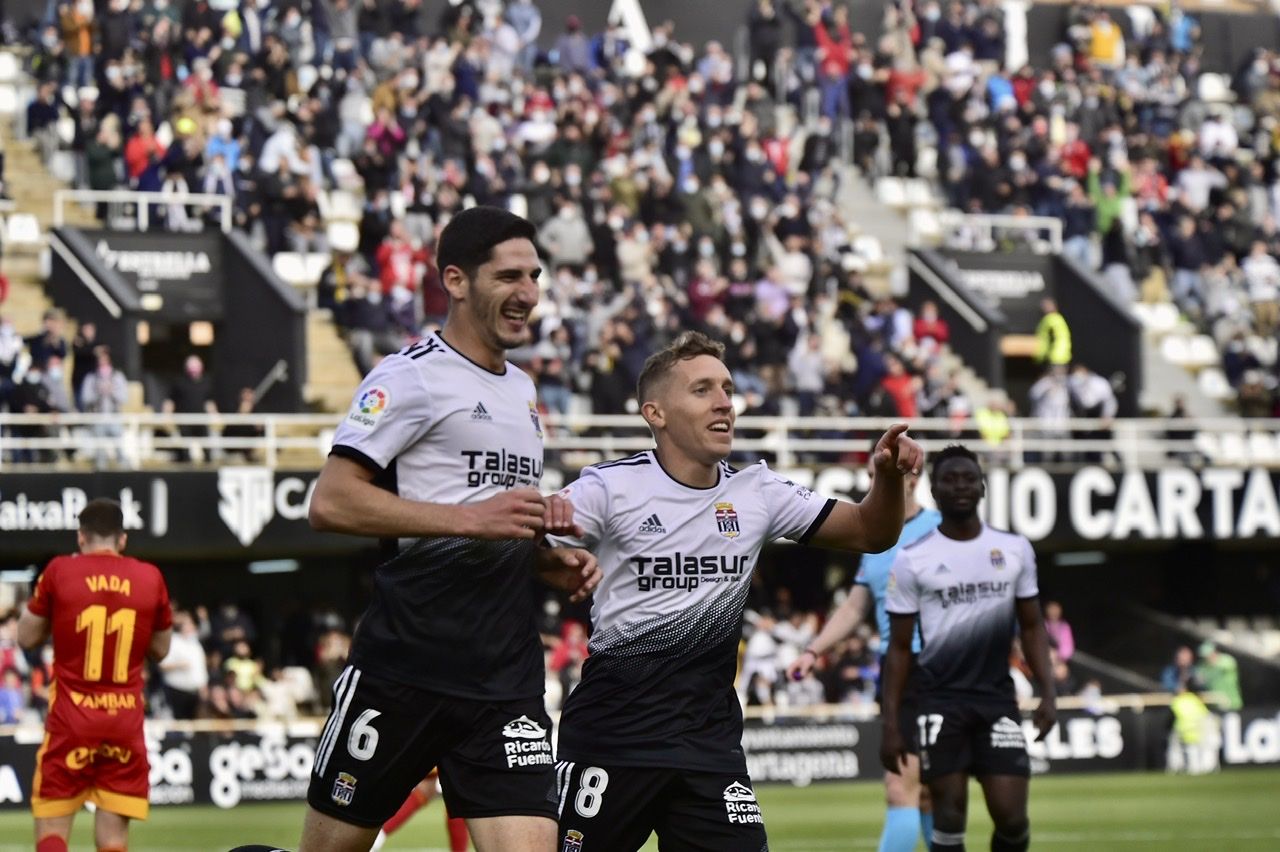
(301, 440)
(142, 202)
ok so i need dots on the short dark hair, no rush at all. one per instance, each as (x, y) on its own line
(102, 518)
(953, 451)
(467, 241)
(687, 346)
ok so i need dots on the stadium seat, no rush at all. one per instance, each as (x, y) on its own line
(869, 248)
(1233, 450)
(291, 268)
(9, 68)
(1263, 348)
(1175, 349)
(307, 77)
(919, 193)
(1213, 383)
(345, 175)
(1202, 351)
(1215, 88)
(1262, 449)
(62, 165)
(926, 227)
(344, 206)
(1207, 445)
(233, 101)
(313, 266)
(1164, 317)
(23, 229)
(891, 192)
(8, 99)
(343, 236)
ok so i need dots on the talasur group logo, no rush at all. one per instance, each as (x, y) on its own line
(369, 406)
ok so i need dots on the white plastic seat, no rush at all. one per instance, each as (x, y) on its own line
(1214, 88)
(10, 70)
(1262, 448)
(291, 268)
(344, 206)
(345, 175)
(313, 265)
(1164, 317)
(1213, 384)
(869, 248)
(8, 98)
(1233, 449)
(343, 236)
(891, 192)
(23, 229)
(919, 194)
(1176, 349)
(1202, 351)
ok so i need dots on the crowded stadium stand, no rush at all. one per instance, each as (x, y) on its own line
(1048, 230)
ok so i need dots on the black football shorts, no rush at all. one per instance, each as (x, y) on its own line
(383, 737)
(975, 738)
(615, 809)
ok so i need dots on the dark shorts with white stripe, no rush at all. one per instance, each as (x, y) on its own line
(383, 737)
(615, 809)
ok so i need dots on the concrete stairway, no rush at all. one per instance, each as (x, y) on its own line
(332, 376)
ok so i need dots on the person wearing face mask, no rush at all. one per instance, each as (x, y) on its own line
(105, 391)
(567, 238)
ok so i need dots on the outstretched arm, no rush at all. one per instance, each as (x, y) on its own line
(874, 524)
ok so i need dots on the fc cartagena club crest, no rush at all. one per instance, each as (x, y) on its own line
(727, 520)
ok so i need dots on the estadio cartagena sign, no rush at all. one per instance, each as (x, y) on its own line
(258, 512)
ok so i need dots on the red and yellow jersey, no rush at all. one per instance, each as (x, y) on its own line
(103, 610)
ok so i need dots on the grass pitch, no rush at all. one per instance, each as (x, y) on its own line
(1237, 811)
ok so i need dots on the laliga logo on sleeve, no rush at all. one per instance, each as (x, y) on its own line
(369, 407)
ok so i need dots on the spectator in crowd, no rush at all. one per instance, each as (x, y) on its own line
(50, 341)
(105, 391)
(1053, 336)
(184, 670)
(1061, 640)
(569, 655)
(13, 698)
(84, 359)
(1219, 673)
(1178, 672)
(192, 393)
(1093, 397)
(1194, 744)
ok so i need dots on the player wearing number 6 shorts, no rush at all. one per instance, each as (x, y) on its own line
(105, 612)
(651, 739)
(970, 586)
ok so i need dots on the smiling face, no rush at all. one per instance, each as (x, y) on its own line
(496, 301)
(691, 410)
(958, 488)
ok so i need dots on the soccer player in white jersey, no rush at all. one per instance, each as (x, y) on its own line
(908, 814)
(441, 455)
(969, 586)
(651, 739)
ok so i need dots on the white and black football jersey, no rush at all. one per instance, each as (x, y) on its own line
(963, 593)
(657, 688)
(451, 614)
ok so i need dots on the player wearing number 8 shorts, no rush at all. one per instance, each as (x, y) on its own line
(651, 739)
(105, 612)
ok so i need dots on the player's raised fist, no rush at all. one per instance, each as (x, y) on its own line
(517, 513)
(895, 452)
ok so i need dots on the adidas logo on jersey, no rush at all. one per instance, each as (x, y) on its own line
(942, 569)
(524, 728)
(738, 792)
(651, 525)
(481, 413)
